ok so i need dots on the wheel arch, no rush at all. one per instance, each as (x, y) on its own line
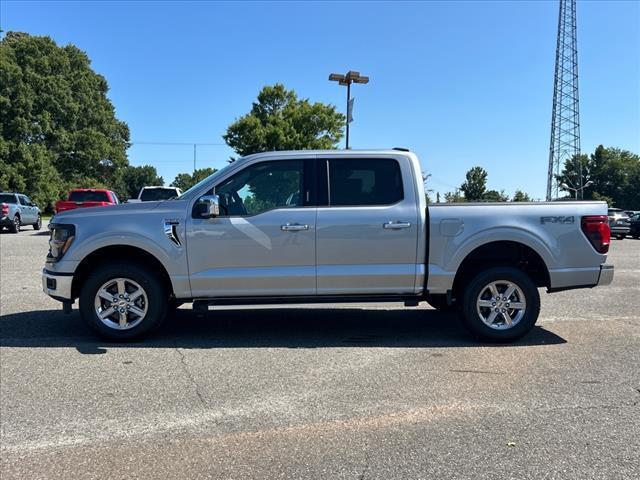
(501, 253)
(133, 254)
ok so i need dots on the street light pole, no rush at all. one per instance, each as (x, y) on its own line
(576, 190)
(348, 122)
(346, 80)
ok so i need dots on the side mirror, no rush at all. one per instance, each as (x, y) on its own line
(208, 206)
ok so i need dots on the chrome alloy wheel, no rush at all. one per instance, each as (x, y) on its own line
(501, 304)
(121, 303)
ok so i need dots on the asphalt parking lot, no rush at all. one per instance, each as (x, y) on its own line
(359, 392)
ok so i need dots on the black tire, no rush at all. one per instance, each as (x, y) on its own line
(15, 226)
(620, 237)
(155, 291)
(474, 322)
(38, 224)
(439, 302)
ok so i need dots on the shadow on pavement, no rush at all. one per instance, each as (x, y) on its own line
(264, 328)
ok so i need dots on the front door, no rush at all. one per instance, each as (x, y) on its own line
(263, 242)
(29, 215)
(367, 227)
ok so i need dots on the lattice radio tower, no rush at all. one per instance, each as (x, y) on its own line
(565, 119)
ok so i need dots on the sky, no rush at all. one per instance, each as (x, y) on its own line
(459, 83)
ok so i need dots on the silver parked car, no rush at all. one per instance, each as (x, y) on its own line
(17, 210)
(323, 226)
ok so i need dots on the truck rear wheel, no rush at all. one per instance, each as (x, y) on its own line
(501, 304)
(123, 302)
(15, 226)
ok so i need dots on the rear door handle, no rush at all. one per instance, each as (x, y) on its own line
(396, 225)
(293, 227)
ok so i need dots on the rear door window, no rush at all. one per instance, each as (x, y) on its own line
(7, 198)
(366, 181)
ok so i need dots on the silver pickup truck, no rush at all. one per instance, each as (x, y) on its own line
(322, 226)
(17, 210)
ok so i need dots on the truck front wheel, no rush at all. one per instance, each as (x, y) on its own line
(501, 304)
(123, 301)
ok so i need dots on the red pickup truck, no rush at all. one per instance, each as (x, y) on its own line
(87, 197)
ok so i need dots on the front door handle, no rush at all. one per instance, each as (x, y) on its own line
(396, 225)
(293, 227)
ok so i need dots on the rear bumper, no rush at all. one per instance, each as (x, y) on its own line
(6, 221)
(620, 230)
(606, 275)
(56, 285)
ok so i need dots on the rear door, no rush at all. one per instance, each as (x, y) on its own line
(367, 226)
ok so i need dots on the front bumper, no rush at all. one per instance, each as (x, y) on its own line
(57, 285)
(606, 275)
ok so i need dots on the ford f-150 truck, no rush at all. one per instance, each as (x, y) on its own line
(17, 210)
(322, 226)
(87, 198)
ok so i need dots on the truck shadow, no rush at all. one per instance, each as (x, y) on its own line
(302, 327)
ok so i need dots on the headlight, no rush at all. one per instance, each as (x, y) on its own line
(62, 237)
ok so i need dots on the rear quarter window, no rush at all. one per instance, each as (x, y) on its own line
(7, 198)
(154, 194)
(88, 196)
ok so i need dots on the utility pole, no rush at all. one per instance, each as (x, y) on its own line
(346, 80)
(565, 117)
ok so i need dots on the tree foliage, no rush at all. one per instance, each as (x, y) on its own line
(495, 196)
(454, 197)
(521, 196)
(475, 185)
(185, 181)
(135, 178)
(615, 174)
(279, 120)
(57, 126)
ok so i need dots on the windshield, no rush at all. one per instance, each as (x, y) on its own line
(154, 194)
(88, 196)
(206, 181)
(7, 198)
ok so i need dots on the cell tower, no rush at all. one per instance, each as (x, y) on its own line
(565, 119)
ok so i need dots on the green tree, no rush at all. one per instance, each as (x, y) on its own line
(278, 120)
(521, 196)
(135, 178)
(614, 173)
(56, 122)
(454, 197)
(475, 185)
(495, 196)
(185, 181)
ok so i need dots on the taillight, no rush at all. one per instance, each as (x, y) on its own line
(596, 229)
(5, 209)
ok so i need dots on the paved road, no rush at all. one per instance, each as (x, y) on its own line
(379, 392)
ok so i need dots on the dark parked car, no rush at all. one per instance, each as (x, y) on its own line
(619, 223)
(634, 226)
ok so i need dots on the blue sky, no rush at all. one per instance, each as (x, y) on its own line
(460, 83)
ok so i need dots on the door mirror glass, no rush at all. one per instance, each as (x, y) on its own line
(208, 206)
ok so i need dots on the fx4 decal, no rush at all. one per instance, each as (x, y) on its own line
(562, 220)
